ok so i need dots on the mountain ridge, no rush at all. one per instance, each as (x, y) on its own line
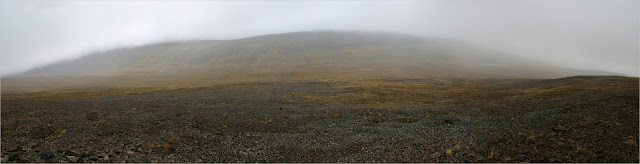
(310, 49)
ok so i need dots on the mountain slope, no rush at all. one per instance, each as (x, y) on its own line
(322, 50)
(396, 98)
(317, 55)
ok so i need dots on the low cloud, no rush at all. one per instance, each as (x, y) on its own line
(584, 34)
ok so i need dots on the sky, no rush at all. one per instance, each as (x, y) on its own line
(583, 34)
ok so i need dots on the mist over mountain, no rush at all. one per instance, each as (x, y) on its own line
(374, 55)
(351, 81)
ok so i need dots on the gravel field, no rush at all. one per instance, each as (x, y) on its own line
(316, 122)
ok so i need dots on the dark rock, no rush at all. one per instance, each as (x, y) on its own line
(448, 121)
(17, 157)
(48, 154)
(132, 160)
(83, 160)
(145, 160)
(17, 148)
(70, 152)
(37, 144)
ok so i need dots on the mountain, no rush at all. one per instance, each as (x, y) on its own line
(312, 96)
(300, 56)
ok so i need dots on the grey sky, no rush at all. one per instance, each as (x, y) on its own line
(585, 34)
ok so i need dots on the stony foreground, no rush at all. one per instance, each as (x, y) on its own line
(455, 120)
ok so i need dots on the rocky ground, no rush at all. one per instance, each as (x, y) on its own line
(566, 120)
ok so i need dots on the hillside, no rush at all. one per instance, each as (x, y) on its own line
(309, 52)
(298, 56)
(316, 97)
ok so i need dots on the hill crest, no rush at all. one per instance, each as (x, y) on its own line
(311, 52)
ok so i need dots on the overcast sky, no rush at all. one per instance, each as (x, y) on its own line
(585, 34)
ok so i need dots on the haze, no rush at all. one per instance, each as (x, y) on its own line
(582, 34)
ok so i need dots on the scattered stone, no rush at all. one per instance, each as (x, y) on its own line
(17, 148)
(83, 160)
(17, 157)
(631, 142)
(70, 152)
(196, 138)
(37, 144)
(560, 128)
(448, 121)
(436, 155)
(145, 160)
(48, 154)
(104, 156)
(57, 160)
(71, 158)
(117, 160)
(132, 160)
(449, 152)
